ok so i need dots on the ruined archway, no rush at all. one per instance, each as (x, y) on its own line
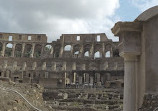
(18, 50)
(27, 51)
(8, 50)
(37, 51)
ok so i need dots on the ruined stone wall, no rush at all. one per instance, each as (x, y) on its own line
(90, 59)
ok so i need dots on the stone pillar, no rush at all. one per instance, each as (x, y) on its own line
(23, 49)
(130, 49)
(61, 51)
(74, 66)
(103, 51)
(80, 80)
(74, 78)
(13, 50)
(81, 52)
(42, 50)
(24, 66)
(3, 50)
(32, 50)
(51, 50)
(72, 50)
(34, 65)
(64, 66)
(44, 66)
(54, 66)
(130, 86)
(92, 51)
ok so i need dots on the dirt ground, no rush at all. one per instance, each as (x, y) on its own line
(12, 101)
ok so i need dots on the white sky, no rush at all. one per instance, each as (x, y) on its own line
(56, 17)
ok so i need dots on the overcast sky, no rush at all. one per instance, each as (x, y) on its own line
(56, 17)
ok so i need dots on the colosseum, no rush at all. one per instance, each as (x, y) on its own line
(74, 60)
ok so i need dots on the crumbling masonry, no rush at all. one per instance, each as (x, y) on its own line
(74, 60)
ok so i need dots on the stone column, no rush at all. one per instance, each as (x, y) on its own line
(52, 50)
(13, 50)
(92, 51)
(3, 50)
(74, 78)
(61, 51)
(32, 50)
(72, 50)
(130, 38)
(42, 50)
(103, 51)
(81, 51)
(130, 86)
(23, 49)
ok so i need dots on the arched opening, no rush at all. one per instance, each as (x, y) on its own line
(37, 52)
(116, 53)
(8, 50)
(67, 48)
(86, 54)
(76, 54)
(27, 51)
(97, 55)
(18, 50)
(48, 48)
(108, 54)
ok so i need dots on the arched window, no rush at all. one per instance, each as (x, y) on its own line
(48, 47)
(67, 48)
(18, 50)
(8, 50)
(27, 51)
(107, 54)
(76, 54)
(37, 52)
(86, 54)
(97, 55)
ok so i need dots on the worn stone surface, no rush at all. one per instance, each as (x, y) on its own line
(74, 60)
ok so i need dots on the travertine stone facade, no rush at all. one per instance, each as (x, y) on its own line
(74, 60)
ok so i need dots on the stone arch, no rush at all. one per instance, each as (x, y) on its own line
(47, 48)
(18, 50)
(98, 47)
(87, 47)
(37, 51)
(76, 51)
(67, 48)
(76, 47)
(27, 51)
(108, 46)
(8, 50)
(87, 54)
(107, 54)
(97, 55)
